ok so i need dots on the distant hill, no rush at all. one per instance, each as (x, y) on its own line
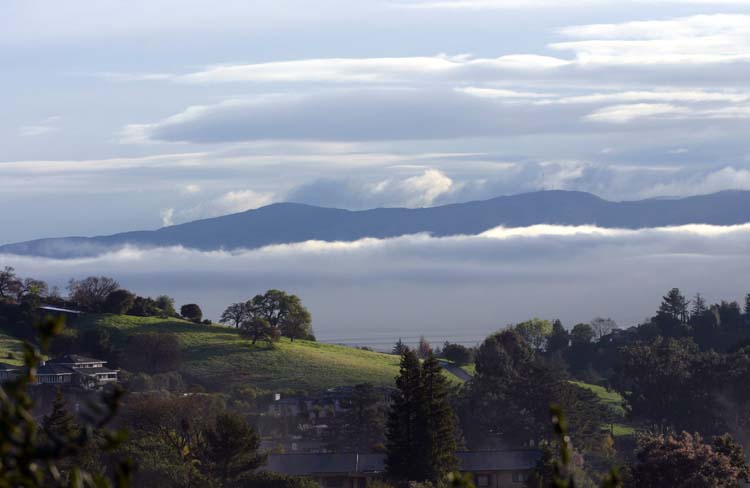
(293, 222)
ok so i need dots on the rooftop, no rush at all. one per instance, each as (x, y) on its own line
(74, 359)
(337, 463)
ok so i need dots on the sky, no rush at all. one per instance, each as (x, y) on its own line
(123, 115)
(132, 115)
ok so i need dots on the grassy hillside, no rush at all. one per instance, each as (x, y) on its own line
(219, 358)
(10, 346)
(614, 402)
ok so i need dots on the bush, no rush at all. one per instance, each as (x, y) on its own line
(191, 312)
(457, 353)
(118, 302)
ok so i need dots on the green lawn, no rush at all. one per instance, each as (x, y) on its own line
(614, 401)
(11, 350)
(470, 368)
(218, 358)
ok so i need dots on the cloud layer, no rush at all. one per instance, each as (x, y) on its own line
(463, 286)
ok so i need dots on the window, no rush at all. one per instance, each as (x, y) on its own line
(520, 477)
(483, 480)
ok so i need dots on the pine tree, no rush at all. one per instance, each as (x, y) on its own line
(231, 448)
(675, 305)
(699, 305)
(747, 304)
(59, 424)
(559, 339)
(435, 456)
(403, 418)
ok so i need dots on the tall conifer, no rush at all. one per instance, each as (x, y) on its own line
(437, 426)
(403, 419)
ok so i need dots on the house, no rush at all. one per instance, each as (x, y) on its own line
(8, 372)
(85, 371)
(66, 370)
(490, 469)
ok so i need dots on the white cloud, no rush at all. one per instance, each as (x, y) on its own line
(621, 114)
(227, 203)
(35, 130)
(725, 178)
(535, 4)
(413, 284)
(422, 190)
(241, 200)
(167, 217)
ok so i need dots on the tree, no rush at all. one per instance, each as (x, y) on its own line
(118, 302)
(258, 328)
(559, 339)
(144, 307)
(435, 456)
(59, 424)
(231, 448)
(424, 349)
(283, 311)
(35, 461)
(399, 348)
(90, 293)
(535, 332)
(673, 314)
(699, 305)
(663, 460)
(165, 303)
(602, 327)
(361, 427)
(153, 353)
(191, 312)
(658, 380)
(403, 418)
(167, 436)
(9, 284)
(581, 334)
(457, 353)
(32, 287)
(297, 324)
(235, 314)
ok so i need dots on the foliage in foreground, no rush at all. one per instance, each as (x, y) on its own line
(30, 458)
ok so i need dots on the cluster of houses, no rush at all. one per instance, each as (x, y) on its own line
(68, 370)
(300, 423)
(309, 456)
(489, 469)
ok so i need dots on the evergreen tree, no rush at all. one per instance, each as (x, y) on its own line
(435, 456)
(675, 306)
(59, 424)
(747, 304)
(231, 448)
(559, 339)
(699, 306)
(361, 427)
(399, 348)
(403, 419)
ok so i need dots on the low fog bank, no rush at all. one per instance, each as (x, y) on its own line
(373, 291)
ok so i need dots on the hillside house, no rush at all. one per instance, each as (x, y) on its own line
(67, 370)
(8, 372)
(490, 469)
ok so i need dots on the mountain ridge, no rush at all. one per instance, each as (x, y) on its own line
(289, 222)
